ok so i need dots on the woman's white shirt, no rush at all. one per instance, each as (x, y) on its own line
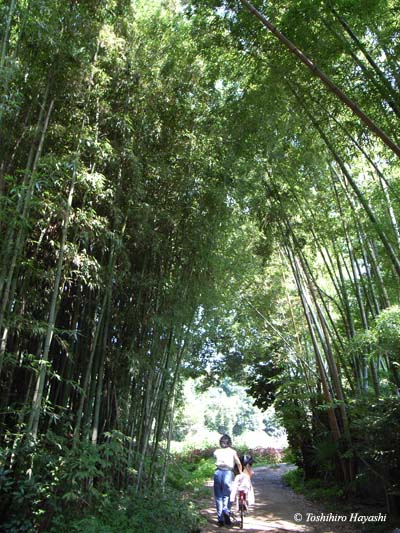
(225, 458)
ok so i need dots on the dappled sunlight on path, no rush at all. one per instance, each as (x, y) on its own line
(275, 508)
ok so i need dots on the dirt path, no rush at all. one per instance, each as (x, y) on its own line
(277, 508)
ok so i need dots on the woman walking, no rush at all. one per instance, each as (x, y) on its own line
(225, 459)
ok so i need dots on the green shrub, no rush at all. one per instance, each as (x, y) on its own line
(183, 475)
(295, 479)
(315, 489)
(131, 512)
(89, 488)
(289, 456)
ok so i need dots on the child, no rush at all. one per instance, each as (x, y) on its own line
(243, 483)
(225, 459)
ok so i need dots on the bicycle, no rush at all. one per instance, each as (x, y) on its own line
(242, 490)
(238, 517)
(242, 506)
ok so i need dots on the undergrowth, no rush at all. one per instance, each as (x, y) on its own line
(89, 489)
(132, 512)
(315, 489)
(93, 489)
(333, 495)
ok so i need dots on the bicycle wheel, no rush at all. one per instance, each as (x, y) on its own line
(242, 506)
(242, 510)
(241, 515)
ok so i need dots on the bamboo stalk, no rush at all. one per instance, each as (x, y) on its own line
(325, 79)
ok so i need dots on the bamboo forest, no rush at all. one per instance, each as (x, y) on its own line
(197, 197)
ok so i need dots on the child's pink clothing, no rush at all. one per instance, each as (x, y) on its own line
(243, 482)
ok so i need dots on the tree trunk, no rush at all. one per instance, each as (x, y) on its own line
(32, 428)
(98, 324)
(8, 275)
(334, 427)
(385, 241)
(391, 94)
(325, 79)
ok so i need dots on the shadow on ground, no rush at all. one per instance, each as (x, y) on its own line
(278, 509)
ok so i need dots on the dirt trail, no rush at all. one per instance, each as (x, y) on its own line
(276, 507)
